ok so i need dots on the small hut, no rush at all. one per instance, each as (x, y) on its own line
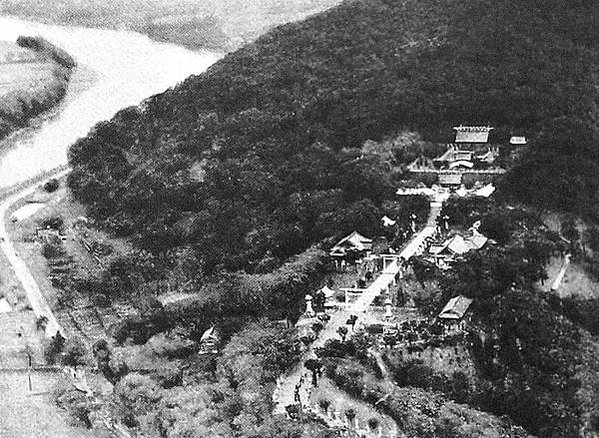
(456, 308)
(209, 341)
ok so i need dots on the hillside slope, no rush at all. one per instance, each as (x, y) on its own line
(266, 155)
(250, 158)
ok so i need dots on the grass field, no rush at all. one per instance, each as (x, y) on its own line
(32, 414)
(25, 77)
(22, 70)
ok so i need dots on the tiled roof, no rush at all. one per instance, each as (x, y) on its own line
(455, 307)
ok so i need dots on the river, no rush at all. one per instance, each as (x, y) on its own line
(116, 69)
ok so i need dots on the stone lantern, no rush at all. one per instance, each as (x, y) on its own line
(309, 309)
(388, 307)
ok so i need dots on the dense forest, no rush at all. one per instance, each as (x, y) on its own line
(262, 156)
(233, 183)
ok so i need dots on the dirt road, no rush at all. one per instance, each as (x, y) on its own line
(34, 295)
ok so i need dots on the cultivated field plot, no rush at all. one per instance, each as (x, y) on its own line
(13, 53)
(21, 69)
(80, 243)
(25, 76)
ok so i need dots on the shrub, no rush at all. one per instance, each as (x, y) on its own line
(350, 414)
(75, 352)
(53, 348)
(41, 322)
(324, 404)
(76, 403)
(53, 222)
(52, 185)
(373, 423)
(52, 250)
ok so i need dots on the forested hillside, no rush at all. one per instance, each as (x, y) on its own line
(231, 184)
(260, 156)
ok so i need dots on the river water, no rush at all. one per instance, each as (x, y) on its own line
(116, 69)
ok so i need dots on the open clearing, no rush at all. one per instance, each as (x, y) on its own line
(32, 414)
(22, 70)
(576, 283)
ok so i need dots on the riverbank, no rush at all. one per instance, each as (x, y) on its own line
(115, 69)
(216, 25)
(34, 77)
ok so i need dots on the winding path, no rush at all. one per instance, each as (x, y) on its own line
(34, 295)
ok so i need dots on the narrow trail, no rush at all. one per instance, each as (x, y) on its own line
(284, 393)
(34, 295)
(555, 287)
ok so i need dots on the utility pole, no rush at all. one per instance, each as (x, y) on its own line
(29, 370)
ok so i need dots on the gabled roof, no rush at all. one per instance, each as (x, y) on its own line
(454, 154)
(472, 134)
(477, 241)
(209, 335)
(458, 245)
(415, 191)
(355, 241)
(438, 248)
(387, 221)
(327, 291)
(455, 307)
(485, 191)
(517, 140)
(487, 157)
(462, 163)
(454, 178)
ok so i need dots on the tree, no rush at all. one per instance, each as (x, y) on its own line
(135, 395)
(569, 230)
(352, 321)
(342, 331)
(41, 322)
(54, 347)
(324, 404)
(52, 185)
(53, 222)
(53, 250)
(496, 227)
(350, 414)
(423, 269)
(315, 366)
(317, 327)
(373, 423)
(319, 301)
(592, 237)
(75, 352)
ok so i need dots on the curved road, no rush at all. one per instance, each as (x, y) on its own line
(34, 295)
